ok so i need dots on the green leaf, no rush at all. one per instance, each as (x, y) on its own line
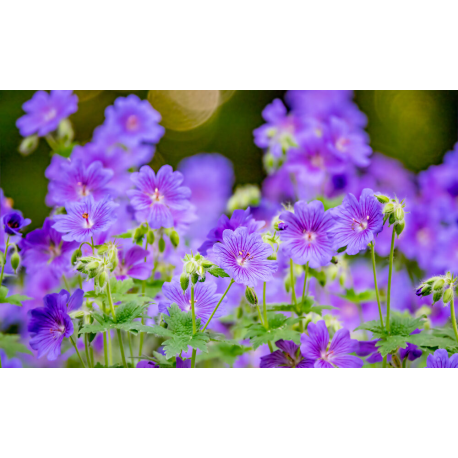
(217, 272)
(125, 235)
(358, 298)
(3, 292)
(64, 150)
(319, 275)
(178, 344)
(391, 344)
(11, 345)
(227, 352)
(430, 341)
(179, 322)
(404, 324)
(374, 327)
(14, 299)
(126, 313)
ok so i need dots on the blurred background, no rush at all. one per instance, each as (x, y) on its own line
(416, 127)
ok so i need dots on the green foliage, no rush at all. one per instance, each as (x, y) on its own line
(319, 275)
(227, 352)
(14, 299)
(64, 150)
(217, 272)
(178, 344)
(358, 298)
(278, 329)
(11, 345)
(391, 344)
(302, 308)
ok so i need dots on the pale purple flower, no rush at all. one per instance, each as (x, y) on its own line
(134, 262)
(315, 347)
(159, 196)
(288, 356)
(307, 237)
(357, 223)
(440, 360)
(85, 219)
(244, 257)
(76, 181)
(146, 364)
(45, 111)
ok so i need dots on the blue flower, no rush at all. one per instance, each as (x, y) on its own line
(441, 360)
(288, 356)
(13, 222)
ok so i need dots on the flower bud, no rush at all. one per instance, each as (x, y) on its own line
(280, 226)
(250, 295)
(392, 218)
(437, 296)
(382, 199)
(184, 281)
(335, 260)
(206, 264)
(388, 208)
(15, 260)
(400, 227)
(448, 294)
(93, 265)
(194, 278)
(272, 257)
(150, 237)
(77, 315)
(65, 131)
(175, 238)
(76, 254)
(103, 277)
(191, 267)
(399, 213)
(438, 284)
(28, 145)
(239, 313)
(161, 245)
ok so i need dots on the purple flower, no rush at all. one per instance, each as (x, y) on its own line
(307, 237)
(159, 197)
(85, 219)
(288, 355)
(76, 181)
(183, 363)
(205, 299)
(411, 352)
(357, 223)
(134, 120)
(244, 257)
(14, 222)
(368, 348)
(45, 249)
(315, 347)
(13, 363)
(132, 263)
(146, 364)
(51, 323)
(240, 218)
(440, 360)
(45, 111)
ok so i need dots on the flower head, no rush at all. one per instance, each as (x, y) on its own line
(50, 324)
(357, 223)
(45, 111)
(132, 263)
(441, 360)
(146, 364)
(288, 355)
(315, 347)
(244, 257)
(76, 181)
(45, 249)
(159, 197)
(307, 235)
(14, 222)
(205, 298)
(85, 219)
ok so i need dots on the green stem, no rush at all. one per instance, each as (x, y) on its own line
(110, 349)
(384, 362)
(86, 349)
(293, 283)
(129, 339)
(264, 308)
(390, 272)
(105, 349)
(194, 327)
(121, 347)
(142, 334)
(0, 361)
(118, 331)
(376, 284)
(452, 312)
(77, 352)
(4, 264)
(305, 280)
(67, 285)
(51, 142)
(92, 356)
(217, 305)
(260, 315)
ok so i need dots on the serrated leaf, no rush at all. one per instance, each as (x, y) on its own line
(11, 345)
(217, 272)
(178, 344)
(227, 352)
(391, 344)
(426, 340)
(358, 298)
(374, 327)
(15, 299)
(179, 322)
(404, 324)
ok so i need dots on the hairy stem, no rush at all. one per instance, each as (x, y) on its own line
(4, 264)
(390, 272)
(377, 293)
(452, 312)
(194, 327)
(105, 349)
(264, 308)
(77, 351)
(110, 301)
(217, 305)
(293, 283)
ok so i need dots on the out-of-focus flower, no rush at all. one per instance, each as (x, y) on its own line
(440, 360)
(13, 363)
(44, 112)
(13, 222)
(132, 263)
(45, 249)
(159, 196)
(183, 363)
(145, 364)
(49, 325)
(315, 347)
(243, 255)
(356, 223)
(288, 356)
(85, 219)
(307, 237)
(76, 181)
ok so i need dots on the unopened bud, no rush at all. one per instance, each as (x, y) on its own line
(392, 218)
(448, 295)
(15, 260)
(438, 284)
(184, 281)
(76, 255)
(150, 237)
(280, 226)
(77, 315)
(399, 213)
(92, 265)
(272, 257)
(382, 199)
(207, 264)
(194, 278)
(388, 208)
(175, 238)
(400, 227)
(335, 260)
(437, 296)
(28, 145)
(190, 267)
(250, 295)
(103, 277)
(161, 245)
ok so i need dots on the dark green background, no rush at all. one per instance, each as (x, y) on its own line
(417, 127)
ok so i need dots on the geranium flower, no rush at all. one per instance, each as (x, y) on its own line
(132, 263)
(288, 355)
(14, 221)
(440, 360)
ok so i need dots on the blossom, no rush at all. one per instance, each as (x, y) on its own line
(49, 325)
(240, 218)
(307, 237)
(13, 222)
(85, 219)
(288, 355)
(134, 120)
(315, 347)
(205, 298)
(244, 257)
(159, 196)
(45, 249)
(132, 263)
(183, 363)
(45, 111)
(76, 181)
(356, 223)
(146, 364)
(440, 360)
